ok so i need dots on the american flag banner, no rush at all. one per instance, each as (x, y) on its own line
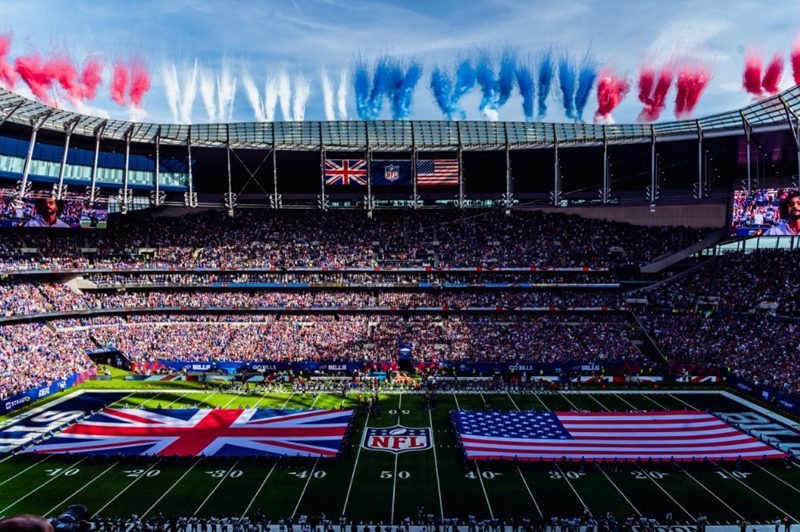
(345, 172)
(204, 432)
(532, 435)
(437, 172)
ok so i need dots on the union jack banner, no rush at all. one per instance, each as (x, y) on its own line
(204, 432)
(345, 172)
(671, 435)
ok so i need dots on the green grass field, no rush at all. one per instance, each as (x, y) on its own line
(378, 487)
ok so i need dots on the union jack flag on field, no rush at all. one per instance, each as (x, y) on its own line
(345, 172)
(678, 435)
(204, 432)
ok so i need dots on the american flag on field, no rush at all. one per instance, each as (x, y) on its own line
(204, 432)
(531, 435)
(345, 172)
(437, 172)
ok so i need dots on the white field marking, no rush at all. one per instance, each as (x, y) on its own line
(287, 400)
(635, 509)
(169, 489)
(458, 407)
(355, 465)
(659, 486)
(111, 405)
(302, 493)
(659, 405)
(740, 516)
(784, 512)
(43, 484)
(47, 457)
(227, 473)
(567, 398)
(150, 399)
(263, 396)
(436, 466)
(255, 495)
(316, 397)
(682, 401)
(535, 504)
(760, 409)
(626, 402)
(396, 456)
(237, 395)
(565, 477)
(540, 400)
(596, 400)
(126, 488)
(485, 495)
(181, 396)
(773, 475)
(83, 487)
(512, 401)
(40, 408)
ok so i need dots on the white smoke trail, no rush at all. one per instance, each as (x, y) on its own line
(302, 90)
(189, 93)
(226, 92)
(341, 94)
(327, 97)
(136, 114)
(285, 95)
(207, 90)
(172, 89)
(251, 91)
(270, 99)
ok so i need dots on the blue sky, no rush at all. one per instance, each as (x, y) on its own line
(302, 37)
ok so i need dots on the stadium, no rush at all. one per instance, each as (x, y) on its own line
(397, 324)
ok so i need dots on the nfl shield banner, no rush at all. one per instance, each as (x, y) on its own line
(390, 172)
(397, 439)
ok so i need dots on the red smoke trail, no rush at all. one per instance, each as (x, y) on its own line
(7, 74)
(35, 74)
(751, 81)
(119, 82)
(691, 85)
(796, 60)
(610, 92)
(61, 69)
(653, 102)
(772, 76)
(91, 76)
(140, 82)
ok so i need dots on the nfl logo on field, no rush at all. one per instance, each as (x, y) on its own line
(397, 439)
(391, 172)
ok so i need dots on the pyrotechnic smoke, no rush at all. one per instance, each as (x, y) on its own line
(544, 78)
(171, 89)
(610, 92)
(587, 74)
(189, 93)
(270, 98)
(327, 97)
(690, 86)
(207, 90)
(361, 86)
(751, 79)
(772, 75)
(447, 93)
(218, 93)
(441, 89)
(33, 72)
(654, 99)
(140, 82)
(91, 76)
(180, 94)
(226, 92)
(566, 81)
(119, 83)
(253, 96)
(404, 81)
(496, 91)
(302, 90)
(389, 81)
(7, 75)
(526, 89)
(795, 60)
(341, 95)
(285, 95)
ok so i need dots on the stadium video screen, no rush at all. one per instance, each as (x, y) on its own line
(40, 211)
(765, 211)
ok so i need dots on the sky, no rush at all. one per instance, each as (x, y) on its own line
(267, 41)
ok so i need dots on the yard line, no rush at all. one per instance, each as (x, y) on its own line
(596, 400)
(535, 504)
(235, 396)
(355, 465)
(456, 399)
(565, 477)
(770, 473)
(287, 401)
(436, 466)
(315, 400)
(618, 396)
(635, 509)
(126, 488)
(540, 400)
(659, 405)
(567, 398)
(84, 486)
(740, 516)
(181, 396)
(659, 486)
(396, 455)
(310, 475)
(682, 401)
(512, 401)
(40, 486)
(263, 396)
(784, 512)
(171, 488)
(216, 487)
(263, 482)
(485, 495)
(143, 405)
(47, 457)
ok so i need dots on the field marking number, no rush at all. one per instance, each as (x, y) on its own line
(741, 475)
(571, 475)
(400, 474)
(136, 473)
(219, 473)
(644, 475)
(393, 412)
(67, 472)
(488, 475)
(304, 474)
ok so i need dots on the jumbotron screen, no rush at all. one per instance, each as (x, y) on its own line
(40, 210)
(762, 211)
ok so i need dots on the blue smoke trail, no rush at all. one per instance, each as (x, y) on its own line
(403, 88)
(566, 80)
(485, 77)
(526, 89)
(505, 82)
(544, 79)
(381, 86)
(465, 80)
(361, 86)
(441, 88)
(586, 77)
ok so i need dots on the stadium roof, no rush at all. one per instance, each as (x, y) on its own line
(393, 135)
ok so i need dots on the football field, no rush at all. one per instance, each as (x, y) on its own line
(369, 486)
